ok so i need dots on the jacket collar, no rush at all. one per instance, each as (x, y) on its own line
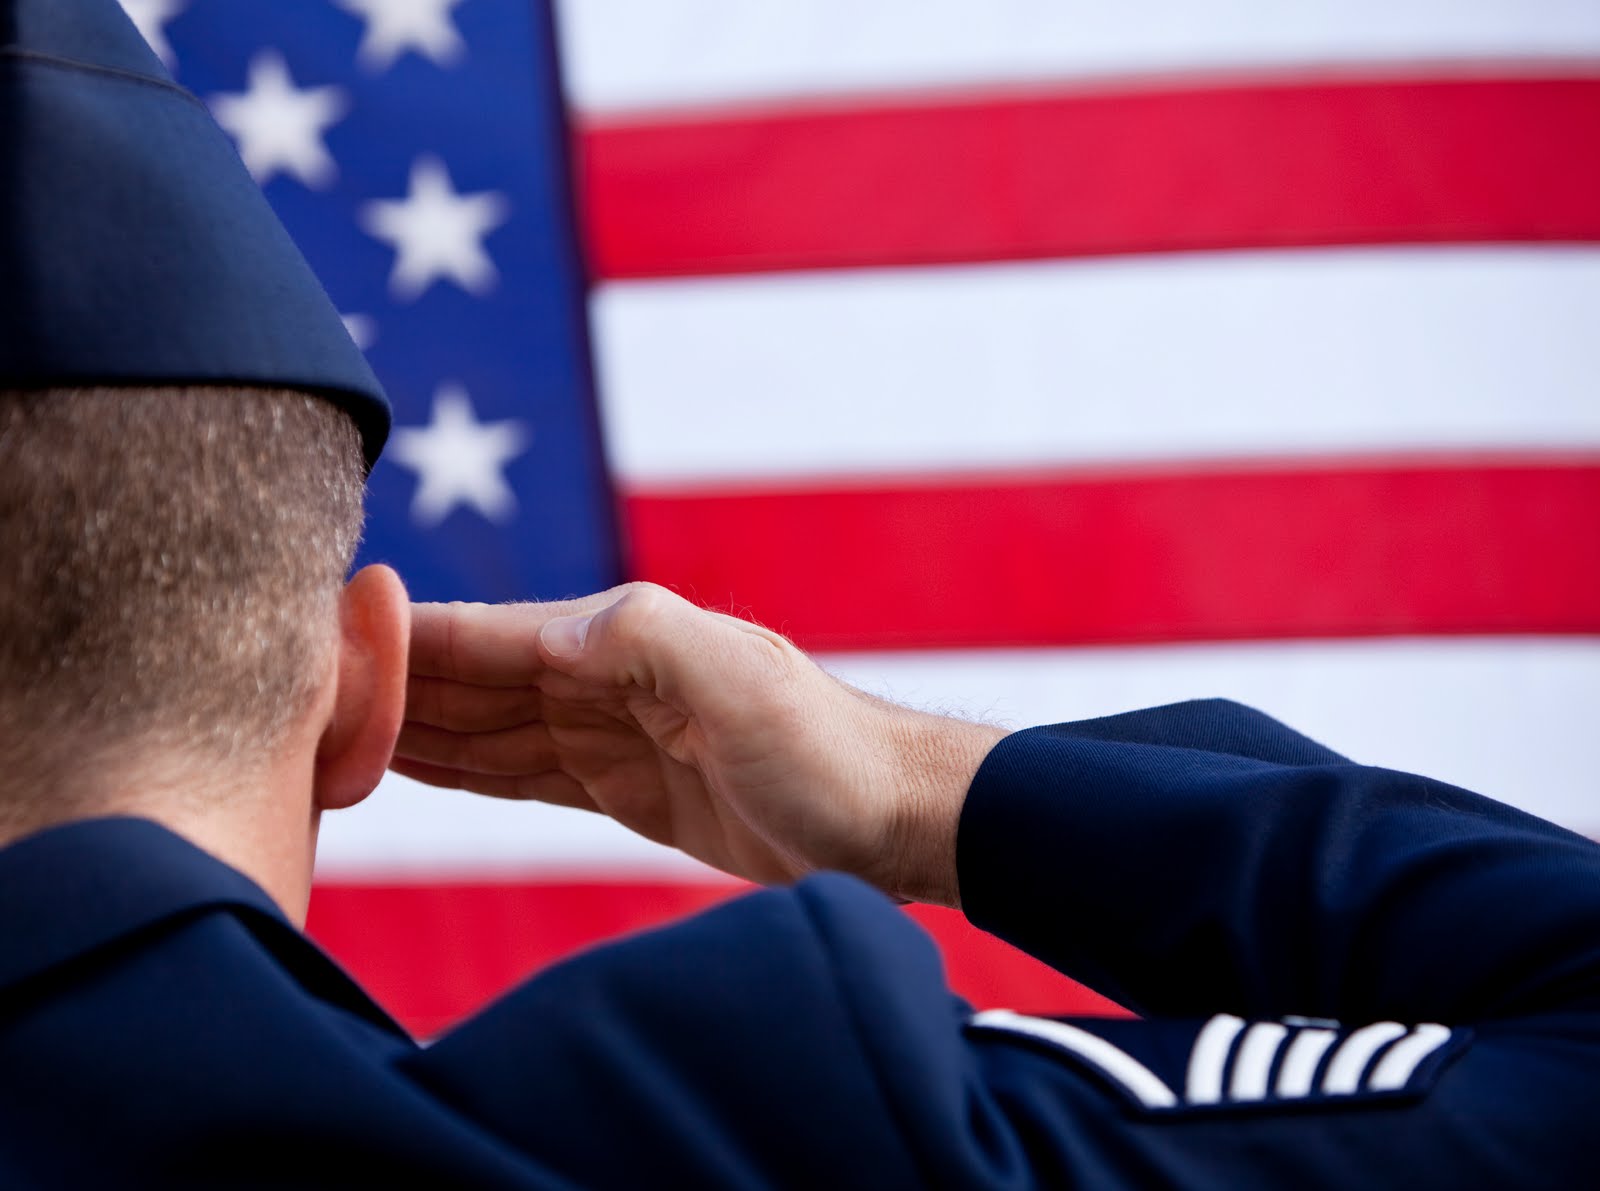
(71, 890)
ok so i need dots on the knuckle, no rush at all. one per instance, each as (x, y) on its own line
(640, 612)
(773, 648)
(777, 656)
(630, 596)
(773, 672)
(452, 633)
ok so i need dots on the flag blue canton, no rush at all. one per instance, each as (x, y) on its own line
(417, 152)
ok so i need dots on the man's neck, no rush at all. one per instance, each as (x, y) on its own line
(261, 822)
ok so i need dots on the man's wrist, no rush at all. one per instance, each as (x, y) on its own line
(937, 757)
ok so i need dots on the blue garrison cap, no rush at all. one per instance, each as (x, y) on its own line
(134, 247)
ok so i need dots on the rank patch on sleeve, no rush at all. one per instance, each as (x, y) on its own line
(1227, 1062)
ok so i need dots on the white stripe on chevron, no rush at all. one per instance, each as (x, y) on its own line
(1111, 1061)
(638, 53)
(1107, 361)
(1299, 1068)
(1400, 1063)
(1343, 1076)
(1209, 1058)
(1253, 1064)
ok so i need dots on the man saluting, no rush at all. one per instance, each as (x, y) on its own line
(1351, 977)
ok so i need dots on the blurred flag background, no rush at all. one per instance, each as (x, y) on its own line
(1029, 359)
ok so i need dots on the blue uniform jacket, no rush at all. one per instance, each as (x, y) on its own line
(1349, 977)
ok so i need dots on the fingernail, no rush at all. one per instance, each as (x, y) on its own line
(564, 636)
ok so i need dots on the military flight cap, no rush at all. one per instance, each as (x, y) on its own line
(134, 246)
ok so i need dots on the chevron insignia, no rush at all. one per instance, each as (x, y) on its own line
(1237, 1063)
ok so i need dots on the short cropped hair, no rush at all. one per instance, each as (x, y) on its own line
(172, 560)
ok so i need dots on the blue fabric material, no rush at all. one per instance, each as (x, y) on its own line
(162, 1026)
(1203, 857)
(134, 245)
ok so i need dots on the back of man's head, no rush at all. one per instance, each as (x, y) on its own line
(173, 562)
(172, 623)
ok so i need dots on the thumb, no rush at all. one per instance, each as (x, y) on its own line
(563, 638)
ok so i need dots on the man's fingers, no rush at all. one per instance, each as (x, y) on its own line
(445, 703)
(439, 775)
(463, 707)
(488, 644)
(525, 749)
(556, 789)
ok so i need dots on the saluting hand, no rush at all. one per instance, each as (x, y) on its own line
(693, 728)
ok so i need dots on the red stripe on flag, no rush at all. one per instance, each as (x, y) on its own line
(1079, 172)
(432, 953)
(1330, 551)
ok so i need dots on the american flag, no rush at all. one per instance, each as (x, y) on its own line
(1032, 359)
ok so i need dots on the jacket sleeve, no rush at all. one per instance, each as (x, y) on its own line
(1204, 858)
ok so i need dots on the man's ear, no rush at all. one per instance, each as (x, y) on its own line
(369, 704)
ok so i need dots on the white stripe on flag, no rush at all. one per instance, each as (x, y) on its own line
(1255, 354)
(655, 53)
(1509, 717)
(407, 831)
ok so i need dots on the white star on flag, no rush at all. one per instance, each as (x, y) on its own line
(436, 232)
(395, 26)
(280, 127)
(362, 329)
(151, 16)
(459, 460)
